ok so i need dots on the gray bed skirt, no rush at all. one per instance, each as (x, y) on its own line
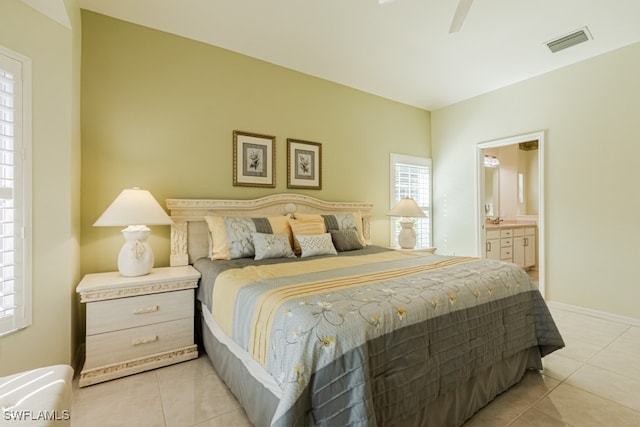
(450, 409)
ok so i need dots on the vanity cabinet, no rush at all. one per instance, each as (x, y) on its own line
(524, 246)
(492, 245)
(514, 244)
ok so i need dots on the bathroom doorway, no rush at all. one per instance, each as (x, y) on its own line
(511, 192)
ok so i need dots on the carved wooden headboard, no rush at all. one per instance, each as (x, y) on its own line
(189, 231)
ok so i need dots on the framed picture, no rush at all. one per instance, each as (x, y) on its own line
(254, 159)
(304, 164)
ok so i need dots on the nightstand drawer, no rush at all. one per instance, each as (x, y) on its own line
(125, 313)
(129, 344)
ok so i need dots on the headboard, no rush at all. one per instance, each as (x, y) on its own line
(190, 234)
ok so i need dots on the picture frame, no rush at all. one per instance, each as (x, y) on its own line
(254, 159)
(304, 164)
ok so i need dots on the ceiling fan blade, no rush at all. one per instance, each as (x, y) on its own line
(460, 15)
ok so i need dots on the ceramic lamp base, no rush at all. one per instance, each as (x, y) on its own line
(135, 257)
(407, 236)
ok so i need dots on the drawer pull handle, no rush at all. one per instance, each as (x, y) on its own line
(146, 310)
(145, 340)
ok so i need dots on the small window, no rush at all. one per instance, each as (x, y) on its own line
(411, 177)
(15, 192)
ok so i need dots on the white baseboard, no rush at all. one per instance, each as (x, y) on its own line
(595, 313)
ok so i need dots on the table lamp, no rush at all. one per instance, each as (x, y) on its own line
(136, 209)
(407, 208)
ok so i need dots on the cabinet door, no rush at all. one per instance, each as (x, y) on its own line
(524, 251)
(529, 251)
(519, 251)
(493, 249)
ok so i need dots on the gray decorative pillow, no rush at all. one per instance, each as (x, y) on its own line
(346, 240)
(231, 236)
(272, 246)
(344, 221)
(316, 244)
(238, 231)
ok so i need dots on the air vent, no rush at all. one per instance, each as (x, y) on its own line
(580, 36)
(529, 145)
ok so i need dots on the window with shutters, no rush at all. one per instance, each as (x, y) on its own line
(411, 177)
(15, 191)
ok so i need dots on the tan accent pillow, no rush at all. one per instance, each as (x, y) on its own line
(357, 219)
(220, 248)
(310, 225)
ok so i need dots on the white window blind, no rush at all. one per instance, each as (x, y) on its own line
(15, 247)
(411, 177)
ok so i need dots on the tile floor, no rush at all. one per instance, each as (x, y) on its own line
(594, 381)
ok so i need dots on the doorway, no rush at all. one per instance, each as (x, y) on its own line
(524, 189)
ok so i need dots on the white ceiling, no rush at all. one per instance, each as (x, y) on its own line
(401, 50)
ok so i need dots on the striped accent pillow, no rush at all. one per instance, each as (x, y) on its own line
(314, 245)
(311, 225)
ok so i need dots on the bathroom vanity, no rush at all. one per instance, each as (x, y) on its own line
(512, 242)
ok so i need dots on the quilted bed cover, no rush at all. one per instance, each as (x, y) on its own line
(369, 338)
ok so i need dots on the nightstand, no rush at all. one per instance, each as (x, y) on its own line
(135, 324)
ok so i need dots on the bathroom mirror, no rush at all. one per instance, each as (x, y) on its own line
(491, 192)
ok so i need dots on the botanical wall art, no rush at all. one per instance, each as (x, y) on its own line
(304, 164)
(253, 159)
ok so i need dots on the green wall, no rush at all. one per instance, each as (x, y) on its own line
(54, 50)
(158, 112)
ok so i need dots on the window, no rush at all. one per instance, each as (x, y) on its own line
(15, 192)
(411, 177)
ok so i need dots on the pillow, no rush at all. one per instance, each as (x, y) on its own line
(312, 224)
(318, 244)
(346, 240)
(340, 221)
(231, 236)
(272, 246)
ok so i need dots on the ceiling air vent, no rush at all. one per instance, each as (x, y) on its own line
(572, 39)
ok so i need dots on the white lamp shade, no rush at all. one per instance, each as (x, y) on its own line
(133, 206)
(408, 208)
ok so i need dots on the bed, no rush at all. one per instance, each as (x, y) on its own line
(358, 335)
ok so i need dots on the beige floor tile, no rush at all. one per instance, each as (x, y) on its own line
(535, 418)
(192, 400)
(232, 419)
(511, 404)
(593, 330)
(578, 349)
(609, 385)
(128, 401)
(632, 334)
(629, 341)
(619, 358)
(558, 366)
(185, 371)
(581, 408)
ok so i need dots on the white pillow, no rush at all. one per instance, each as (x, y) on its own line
(316, 244)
